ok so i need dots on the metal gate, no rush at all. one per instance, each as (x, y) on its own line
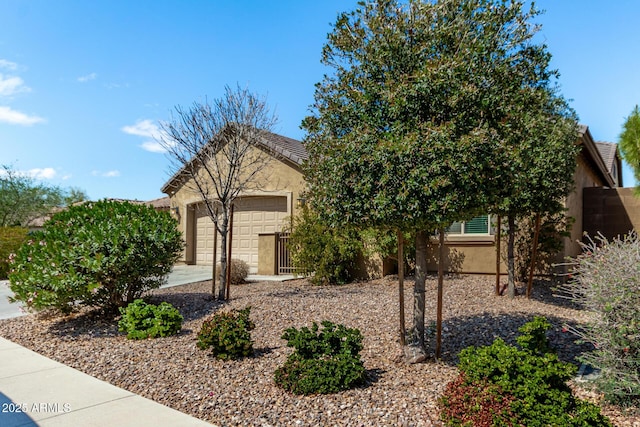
(284, 257)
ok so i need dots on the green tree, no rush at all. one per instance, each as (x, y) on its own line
(538, 136)
(630, 143)
(23, 199)
(411, 130)
(103, 254)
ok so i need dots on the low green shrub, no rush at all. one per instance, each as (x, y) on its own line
(606, 282)
(141, 320)
(239, 271)
(324, 361)
(326, 254)
(531, 379)
(227, 334)
(11, 238)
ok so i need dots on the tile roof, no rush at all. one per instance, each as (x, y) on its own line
(161, 203)
(289, 148)
(280, 146)
(608, 152)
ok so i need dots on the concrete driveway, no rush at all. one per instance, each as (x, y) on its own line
(8, 310)
(180, 275)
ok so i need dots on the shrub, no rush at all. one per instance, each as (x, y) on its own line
(11, 238)
(239, 271)
(324, 361)
(480, 404)
(554, 228)
(227, 334)
(141, 320)
(531, 380)
(103, 254)
(606, 281)
(326, 254)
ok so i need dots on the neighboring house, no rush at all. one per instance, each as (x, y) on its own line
(258, 215)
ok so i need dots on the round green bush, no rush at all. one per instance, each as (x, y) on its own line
(325, 361)
(103, 254)
(141, 320)
(227, 334)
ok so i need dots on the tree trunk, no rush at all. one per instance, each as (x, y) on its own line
(229, 258)
(498, 238)
(215, 256)
(416, 351)
(440, 289)
(224, 231)
(534, 253)
(511, 289)
(403, 331)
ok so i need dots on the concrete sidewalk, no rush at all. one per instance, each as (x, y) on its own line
(36, 391)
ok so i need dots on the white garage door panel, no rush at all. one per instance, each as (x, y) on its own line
(252, 216)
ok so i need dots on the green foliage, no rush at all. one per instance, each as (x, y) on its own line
(630, 142)
(103, 254)
(531, 379)
(606, 281)
(533, 336)
(141, 320)
(228, 334)
(326, 254)
(325, 361)
(11, 238)
(239, 271)
(22, 199)
(554, 227)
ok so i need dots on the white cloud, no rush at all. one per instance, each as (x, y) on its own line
(35, 173)
(10, 85)
(109, 174)
(148, 129)
(8, 64)
(7, 115)
(153, 146)
(88, 77)
(44, 173)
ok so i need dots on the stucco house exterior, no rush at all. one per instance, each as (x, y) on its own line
(260, 216)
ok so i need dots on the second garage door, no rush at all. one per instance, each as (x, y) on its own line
(252, 216)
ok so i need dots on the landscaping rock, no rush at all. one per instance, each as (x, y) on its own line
(174, 372)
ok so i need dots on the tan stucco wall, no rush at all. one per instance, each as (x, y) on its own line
(472, 254)
(281, 178)
(267, 246)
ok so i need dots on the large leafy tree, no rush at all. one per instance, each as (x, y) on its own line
(411, 129)
(630, 143)
(23, 199)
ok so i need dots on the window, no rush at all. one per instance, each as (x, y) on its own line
(479, 225)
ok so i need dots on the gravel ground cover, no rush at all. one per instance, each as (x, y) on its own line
(174, 372)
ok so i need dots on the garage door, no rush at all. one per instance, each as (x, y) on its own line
(252, 216)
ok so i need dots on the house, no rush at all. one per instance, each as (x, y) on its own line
(259, 216)
(470, 246)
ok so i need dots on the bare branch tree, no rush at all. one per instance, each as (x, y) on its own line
(218, 150)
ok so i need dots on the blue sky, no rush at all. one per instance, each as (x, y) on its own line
(83, 83)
